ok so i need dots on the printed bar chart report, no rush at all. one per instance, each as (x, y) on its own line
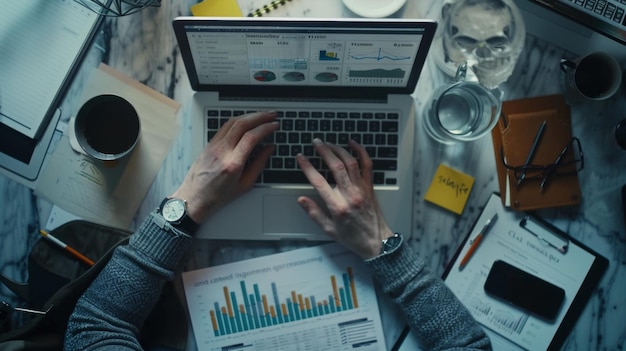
(316, 299)
(255, 311)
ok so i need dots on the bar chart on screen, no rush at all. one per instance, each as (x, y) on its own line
(316, 298)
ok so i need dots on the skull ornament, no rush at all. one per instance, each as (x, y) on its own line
(488, 34)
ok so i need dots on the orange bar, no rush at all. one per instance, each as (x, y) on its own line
(301, 302)
(223, 310)
(242, 309)
(228, 304)
(283, 307)
(272, 311)
(294, 298)
(266, 309)
(335, 293)
(307, 303)
(355, 301)
(214, 321)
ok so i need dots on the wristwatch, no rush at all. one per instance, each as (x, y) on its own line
(174, 211)
(390, 244)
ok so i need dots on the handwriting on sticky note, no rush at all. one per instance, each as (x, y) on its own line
(450, 189)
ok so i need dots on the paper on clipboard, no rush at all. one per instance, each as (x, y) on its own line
(513, 243)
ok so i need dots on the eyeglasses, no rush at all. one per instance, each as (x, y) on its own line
(569, 161)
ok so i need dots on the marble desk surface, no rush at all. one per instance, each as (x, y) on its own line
(142, 46)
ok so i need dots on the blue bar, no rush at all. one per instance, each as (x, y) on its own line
(259, 304)
(342, 296)
(244, 321)
(233, 299)
(279, 312)
(218, 316)
(246, 302)
(296, 310)
(292, 315)
(255, 316)
(346, 284)
(226, 324)
(331, 302)
(327, 308)
(314, 306)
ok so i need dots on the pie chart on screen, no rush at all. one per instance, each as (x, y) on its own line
(264, 76)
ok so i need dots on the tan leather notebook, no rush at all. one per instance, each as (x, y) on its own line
(513, 138)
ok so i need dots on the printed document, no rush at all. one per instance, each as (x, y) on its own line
(40, 41)
(318, 298)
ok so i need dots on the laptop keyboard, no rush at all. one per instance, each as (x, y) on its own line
(376, 131)
(610, 11)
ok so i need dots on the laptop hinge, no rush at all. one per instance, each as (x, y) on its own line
(371, 99)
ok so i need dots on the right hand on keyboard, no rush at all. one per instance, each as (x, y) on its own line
(354, 217)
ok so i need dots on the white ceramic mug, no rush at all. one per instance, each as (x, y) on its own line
(593, 77)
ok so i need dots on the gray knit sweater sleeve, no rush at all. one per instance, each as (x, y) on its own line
(111, 312)
(437, 317)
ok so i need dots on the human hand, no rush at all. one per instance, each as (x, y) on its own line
(354, 217)
(220, 174)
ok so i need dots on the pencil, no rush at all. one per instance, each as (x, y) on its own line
(66, 247)
(477, 241)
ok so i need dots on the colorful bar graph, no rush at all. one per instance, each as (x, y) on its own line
(263, 310)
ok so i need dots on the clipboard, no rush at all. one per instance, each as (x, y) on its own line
(540, 245)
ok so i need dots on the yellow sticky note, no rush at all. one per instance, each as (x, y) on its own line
(217, 8)
(450, 189)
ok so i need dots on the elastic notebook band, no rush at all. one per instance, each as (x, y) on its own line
(267, 8)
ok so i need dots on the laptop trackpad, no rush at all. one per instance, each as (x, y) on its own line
(282, 215)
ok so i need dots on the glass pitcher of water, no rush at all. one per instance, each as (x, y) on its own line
(462, 111)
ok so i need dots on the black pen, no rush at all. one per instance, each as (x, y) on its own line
(533, 149)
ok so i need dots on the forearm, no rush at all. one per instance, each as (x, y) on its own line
(432, 310)
(112, 311)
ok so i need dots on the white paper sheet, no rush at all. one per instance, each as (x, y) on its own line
(304, 275)
(108, 195)
(39, 43)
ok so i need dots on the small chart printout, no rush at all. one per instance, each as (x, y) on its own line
(318, 298)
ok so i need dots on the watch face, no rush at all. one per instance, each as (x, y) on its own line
(173, 210)
(391, 243)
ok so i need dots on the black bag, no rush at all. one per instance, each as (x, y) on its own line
(57, 280)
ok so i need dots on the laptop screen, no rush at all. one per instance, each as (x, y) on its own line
(305, 55)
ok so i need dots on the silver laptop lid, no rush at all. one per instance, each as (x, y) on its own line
(604, 16)
(313, 58)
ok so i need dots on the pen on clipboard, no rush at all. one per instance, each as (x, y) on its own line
(561, 247)
(66, 247)
(477, 240)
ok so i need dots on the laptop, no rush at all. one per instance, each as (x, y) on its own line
(336, 79)
(578, 26)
